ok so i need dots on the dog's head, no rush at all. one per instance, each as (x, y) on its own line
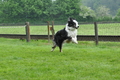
(72, 24)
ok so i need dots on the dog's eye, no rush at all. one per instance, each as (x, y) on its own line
(74, 24)
(70, 25)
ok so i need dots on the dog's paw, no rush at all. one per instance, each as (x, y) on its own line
(61, 51)
(52, 50)
(76, 42)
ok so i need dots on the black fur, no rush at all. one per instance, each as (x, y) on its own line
(59, 38)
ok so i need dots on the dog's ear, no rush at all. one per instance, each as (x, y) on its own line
(70, 20)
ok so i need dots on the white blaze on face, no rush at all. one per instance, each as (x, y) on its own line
(77, 25)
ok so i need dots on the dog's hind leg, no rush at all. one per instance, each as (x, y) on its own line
(60, 46)
(54, 46)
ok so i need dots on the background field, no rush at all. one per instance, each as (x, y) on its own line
(85, 29)
(34, 61)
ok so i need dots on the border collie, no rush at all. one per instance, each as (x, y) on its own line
(68, 34)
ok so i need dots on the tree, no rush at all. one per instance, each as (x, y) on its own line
(87, 12)
(39, 10)
(117, 17)
(67, 8)
(21, 10)
(113, 5)
(118, 12)
(103, 13)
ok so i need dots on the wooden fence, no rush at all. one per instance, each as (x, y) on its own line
(26, 36)
(94, 37)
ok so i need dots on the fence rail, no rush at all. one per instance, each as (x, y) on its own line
(80, 37)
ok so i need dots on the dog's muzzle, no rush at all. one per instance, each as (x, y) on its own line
(77, 27)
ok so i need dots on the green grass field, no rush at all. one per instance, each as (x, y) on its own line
(20, 60)
(85, 29)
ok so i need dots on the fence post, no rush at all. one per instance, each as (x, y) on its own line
(53, 31)
(27, 32)
(48, 31)
(96, 33)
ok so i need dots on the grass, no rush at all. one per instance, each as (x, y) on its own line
(20, 60)
(85, 29)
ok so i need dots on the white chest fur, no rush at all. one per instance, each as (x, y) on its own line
(72, 33)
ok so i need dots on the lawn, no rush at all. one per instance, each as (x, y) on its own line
(85, 29)
(20, 60)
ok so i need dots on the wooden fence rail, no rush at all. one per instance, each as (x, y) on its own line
(114, 38)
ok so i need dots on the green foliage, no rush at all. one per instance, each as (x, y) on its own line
(118, 12)
(68, 8)
(87, 13)
(113, 5)
(38, 10)
(117, 17)
(103, 14)
(34, 61)
(102, 11)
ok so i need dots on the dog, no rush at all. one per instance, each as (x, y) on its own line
(68, 34)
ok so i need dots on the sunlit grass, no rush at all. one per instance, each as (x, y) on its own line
(20, 60)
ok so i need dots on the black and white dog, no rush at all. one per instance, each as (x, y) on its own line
(69, 33)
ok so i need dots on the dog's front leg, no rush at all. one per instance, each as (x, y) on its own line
(74, 39)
